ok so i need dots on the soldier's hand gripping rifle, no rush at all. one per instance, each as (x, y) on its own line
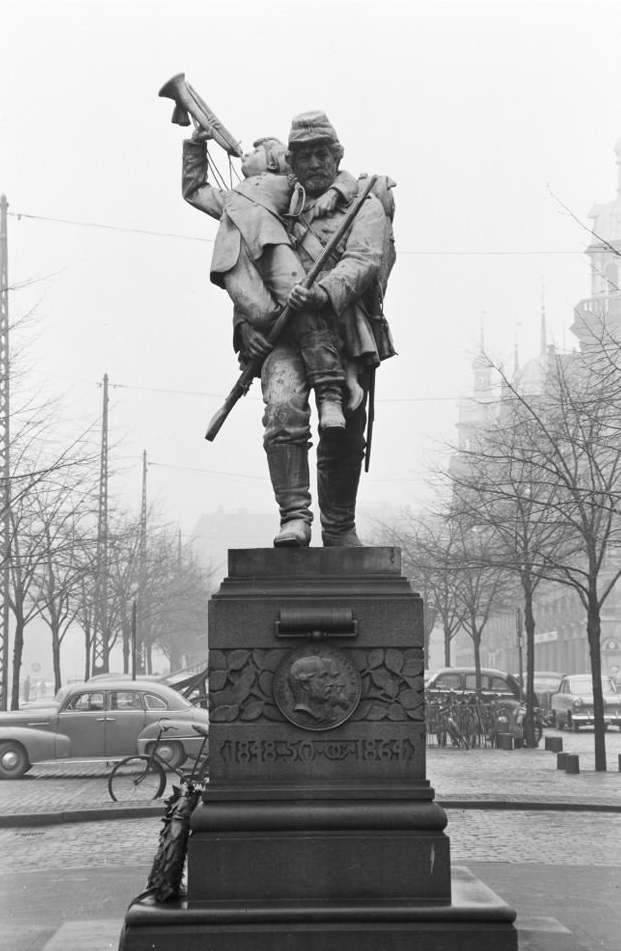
(253, 366)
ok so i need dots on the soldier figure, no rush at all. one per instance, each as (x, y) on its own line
(347, 297)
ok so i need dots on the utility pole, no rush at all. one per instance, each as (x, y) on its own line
(5, 469)
(143, 614)
(101, 637)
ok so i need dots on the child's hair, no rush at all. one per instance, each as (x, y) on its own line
(275, 152)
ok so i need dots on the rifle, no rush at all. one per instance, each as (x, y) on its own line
(253, 366)
(370, 419)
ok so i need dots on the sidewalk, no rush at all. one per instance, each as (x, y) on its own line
(560, 870)
(465, 779)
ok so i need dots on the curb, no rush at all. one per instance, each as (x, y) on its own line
(144, 812)
(81, 815)
(534, 805)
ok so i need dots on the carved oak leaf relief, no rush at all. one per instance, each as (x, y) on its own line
(241, 684)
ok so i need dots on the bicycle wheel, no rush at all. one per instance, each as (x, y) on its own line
(136, 778)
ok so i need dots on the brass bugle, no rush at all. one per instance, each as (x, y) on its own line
(188, 103)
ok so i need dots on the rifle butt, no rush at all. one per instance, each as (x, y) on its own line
(240, 389)
(216, 422)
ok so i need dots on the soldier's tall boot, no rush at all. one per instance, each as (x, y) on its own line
(338, 475)
(288, 466)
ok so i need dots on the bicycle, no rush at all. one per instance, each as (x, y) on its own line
(445, 724)
(143, 777)
(166, 875)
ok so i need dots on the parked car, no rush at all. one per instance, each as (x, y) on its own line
(45, 702)
(494, 683)
(572, 706)
(546, 683)
(105, 719)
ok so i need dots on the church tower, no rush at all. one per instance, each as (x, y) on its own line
(475, 411)
(598, 317)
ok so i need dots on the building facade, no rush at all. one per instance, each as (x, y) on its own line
(560, 638)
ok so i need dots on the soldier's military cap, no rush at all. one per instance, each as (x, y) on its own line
(308, 127)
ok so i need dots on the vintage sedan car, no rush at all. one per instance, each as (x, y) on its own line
(546, 684)
(572, 706)
(100, 720)
(495, 684)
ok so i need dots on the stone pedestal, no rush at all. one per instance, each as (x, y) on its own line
(319, 830)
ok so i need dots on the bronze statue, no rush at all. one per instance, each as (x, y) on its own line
(273, 228)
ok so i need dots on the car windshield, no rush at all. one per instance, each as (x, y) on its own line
(583, 686)
(547, 683)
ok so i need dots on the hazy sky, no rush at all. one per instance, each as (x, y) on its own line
(489, 115)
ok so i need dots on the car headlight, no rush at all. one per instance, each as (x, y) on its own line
(577, 703)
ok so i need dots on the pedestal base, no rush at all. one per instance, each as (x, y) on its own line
(318, 830)
(475, 920)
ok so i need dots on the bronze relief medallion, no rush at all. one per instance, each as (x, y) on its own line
(317, 687)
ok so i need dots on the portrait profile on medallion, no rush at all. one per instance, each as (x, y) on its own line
(317, 687)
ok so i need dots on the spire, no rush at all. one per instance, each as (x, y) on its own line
(543, 343)
(516, 355)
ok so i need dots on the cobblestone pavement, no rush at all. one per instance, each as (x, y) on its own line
(559, 864)
(527, 776)
(553, 838)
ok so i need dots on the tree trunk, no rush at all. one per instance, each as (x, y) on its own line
(593, 633)
(476, 643)
(529, 625)
(18, 651)
(447, 646)
(56, 659)
(87, 652)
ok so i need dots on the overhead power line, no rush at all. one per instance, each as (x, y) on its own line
(396, 399)
(188, 237)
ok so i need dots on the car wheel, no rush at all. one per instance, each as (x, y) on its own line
(13, 761)
(172, 753)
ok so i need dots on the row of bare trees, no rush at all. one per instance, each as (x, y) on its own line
(53, 569)
(532, 498)
(49, 558)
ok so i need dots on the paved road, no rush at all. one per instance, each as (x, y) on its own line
(65, 887)
(560, 870)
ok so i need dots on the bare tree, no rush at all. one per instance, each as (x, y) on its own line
(497, 487)
(482, 583)
(428, 544)
(61, 571)
(568, 438)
